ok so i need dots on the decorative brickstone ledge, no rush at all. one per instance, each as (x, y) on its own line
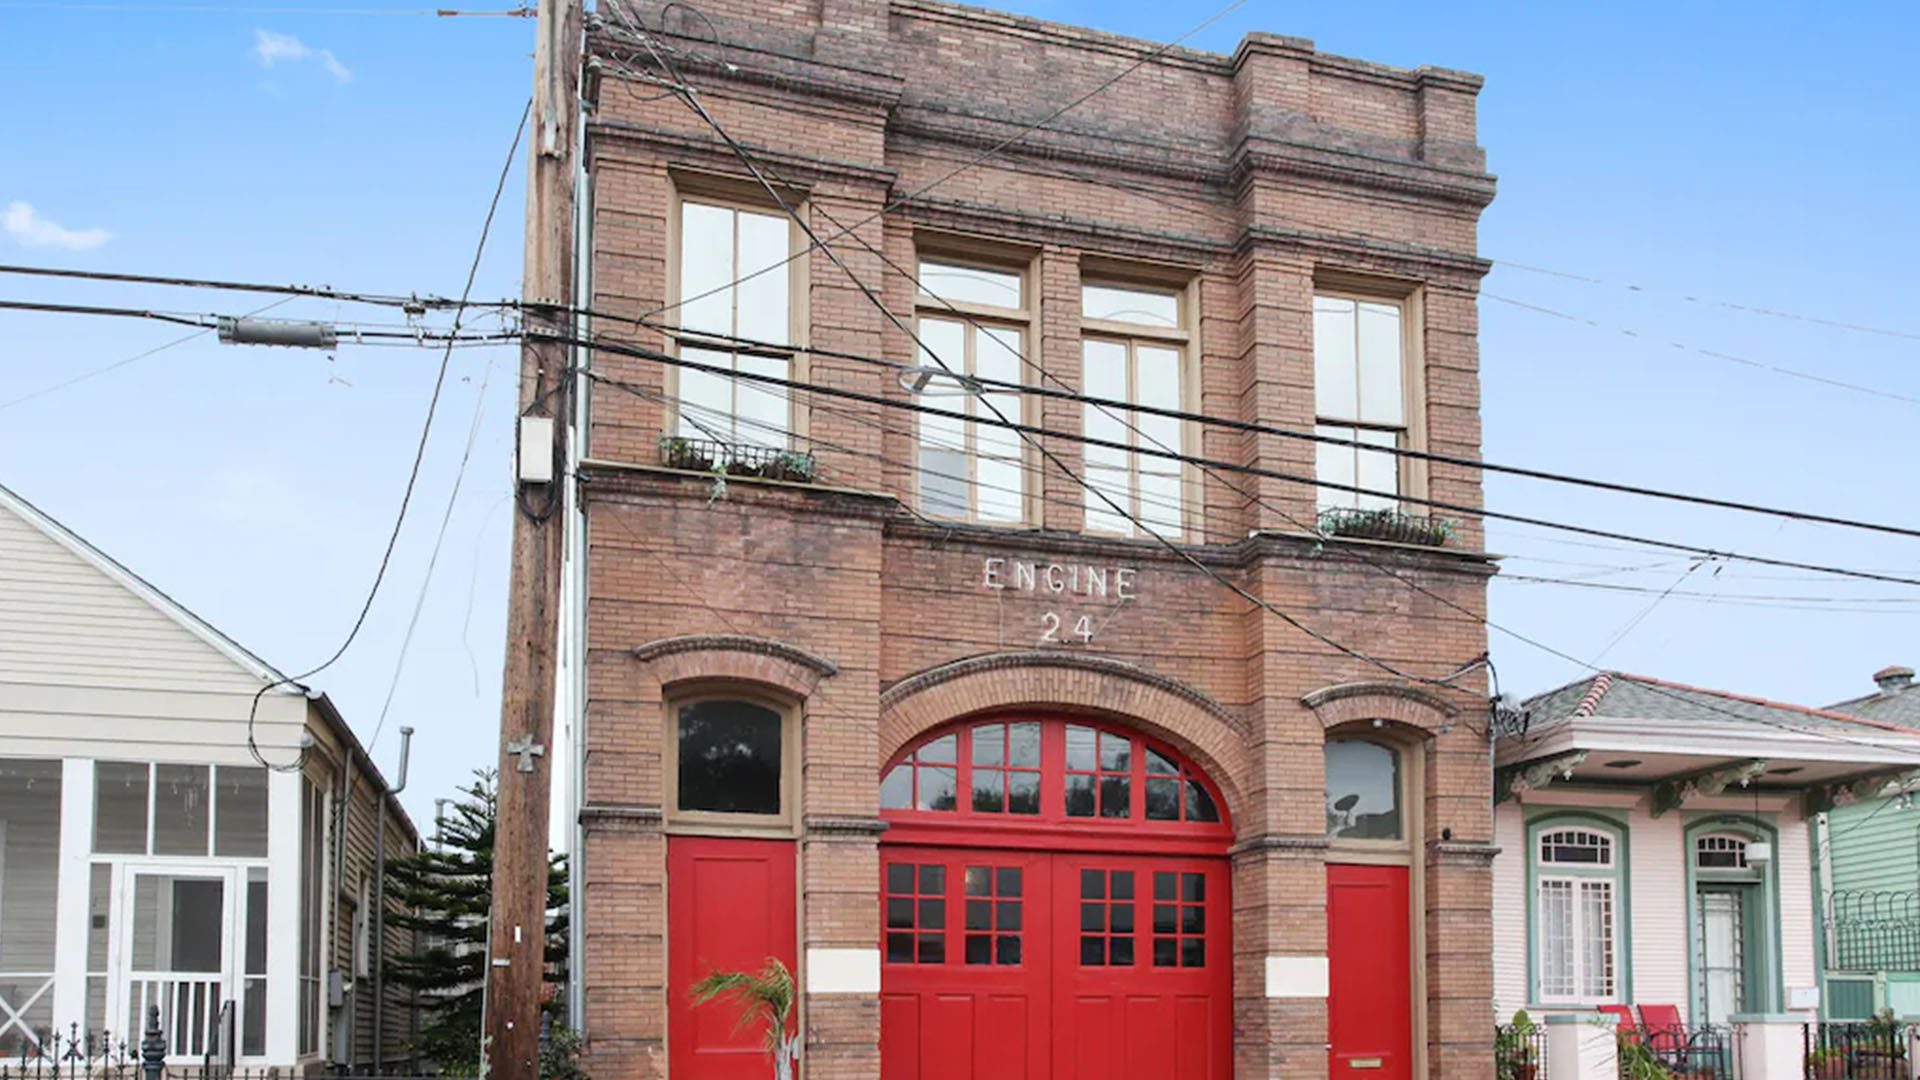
(1283, 844)
(844, 826)
(1400, 703)
(640, 818)
(735, 656)
(1456, 851)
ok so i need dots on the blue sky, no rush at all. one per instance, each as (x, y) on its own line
(1760, 157)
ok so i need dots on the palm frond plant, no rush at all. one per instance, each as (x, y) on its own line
(767, 996)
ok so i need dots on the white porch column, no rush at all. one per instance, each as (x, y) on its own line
(1581, 1046)
(283, 916)
(1770, 1046)
(73, 886)
(1913, 1046)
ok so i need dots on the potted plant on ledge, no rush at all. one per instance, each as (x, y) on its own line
(1513, 1052)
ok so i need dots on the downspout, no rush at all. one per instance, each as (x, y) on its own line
(379, 942)
(574, 584)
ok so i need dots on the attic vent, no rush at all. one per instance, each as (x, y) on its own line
(1892, 680)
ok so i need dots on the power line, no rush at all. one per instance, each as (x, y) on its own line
(413, 478)
(1745, 309)
(320, 292)
(730, 343)
(1777, 369)
(641, 352)
(355, 333)
(242, 9)
(135, 358)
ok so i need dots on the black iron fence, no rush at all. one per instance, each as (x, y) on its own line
(82, 1055)
(1872, 930)
(1679, 1052)
(1519, 1052)
(737, 459)
(1869, 1050)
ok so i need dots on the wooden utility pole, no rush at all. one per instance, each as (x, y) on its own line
(517, 934)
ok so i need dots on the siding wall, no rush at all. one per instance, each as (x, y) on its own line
(1657, 893)
(1874, 846)
(90, 668)
(1509, 910)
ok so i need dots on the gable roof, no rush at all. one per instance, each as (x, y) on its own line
(145, 590)
(1626, 695)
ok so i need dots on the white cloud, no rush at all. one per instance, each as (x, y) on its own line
(22, 222)
(270, 48)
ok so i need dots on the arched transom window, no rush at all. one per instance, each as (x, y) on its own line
(1010, 769)
(1720, 851)
(1576, 847)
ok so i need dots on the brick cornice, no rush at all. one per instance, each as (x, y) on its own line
(654, 650)
(1328, 695)
(1462, 851)
(1397, 702)
(844, 825)
(637, 818)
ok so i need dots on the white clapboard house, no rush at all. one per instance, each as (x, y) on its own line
(147, 858)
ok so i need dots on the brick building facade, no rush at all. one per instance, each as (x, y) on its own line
(1065, 713)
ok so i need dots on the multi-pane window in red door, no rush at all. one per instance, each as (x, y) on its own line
(1179, 919)
(1099, 773)
(1106, 918)
(995, 914)
(1006, 768)
(916, 910)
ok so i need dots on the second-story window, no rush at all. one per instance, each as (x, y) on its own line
(972, 321)
(1133, 350)
(727, 290)
(1359, 390)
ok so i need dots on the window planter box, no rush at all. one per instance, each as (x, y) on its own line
(765, 463)
(1389, 525)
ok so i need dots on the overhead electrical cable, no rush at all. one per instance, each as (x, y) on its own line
(413, 479)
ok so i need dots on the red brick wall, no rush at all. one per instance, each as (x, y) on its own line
(1251, 177)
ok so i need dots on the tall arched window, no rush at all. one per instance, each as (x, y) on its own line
(732, 760)
(1363, 791)
(1576, 883)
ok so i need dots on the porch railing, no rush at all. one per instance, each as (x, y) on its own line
(148, 1055)
(20, 992)
(1680, 1052)
(1870, 1050)
(1874, 930)
(190, 1007)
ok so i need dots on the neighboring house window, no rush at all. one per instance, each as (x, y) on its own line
(1576, 882)
(1359, 383)
(313, 869)
(723, 292)
(1718, 851)
(733, 761)
(1133, 349)
(969, 470)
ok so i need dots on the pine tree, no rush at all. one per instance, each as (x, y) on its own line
(444, 893)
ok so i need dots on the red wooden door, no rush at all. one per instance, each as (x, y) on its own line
(964, 989)
(1142, 970)
(1369, 956)
(730, 905)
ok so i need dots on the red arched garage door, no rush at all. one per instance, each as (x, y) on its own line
(1054, 906)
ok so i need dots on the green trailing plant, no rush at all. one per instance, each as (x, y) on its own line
(1387, 524)
(765, 997)
(1638, 1061)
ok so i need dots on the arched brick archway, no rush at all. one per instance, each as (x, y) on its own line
(1191, 721)
(1395, 703)
(735, 658)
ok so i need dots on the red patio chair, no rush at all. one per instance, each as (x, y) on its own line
(1622, 1014)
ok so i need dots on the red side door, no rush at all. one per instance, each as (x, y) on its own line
(1142, 969)
(730, 906)
(1370, 991)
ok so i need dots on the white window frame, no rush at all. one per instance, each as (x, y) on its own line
(1131, 336)
(972, 318)
(1722, 841)
(699, 423)
(1580, 881)
(1409, 434)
